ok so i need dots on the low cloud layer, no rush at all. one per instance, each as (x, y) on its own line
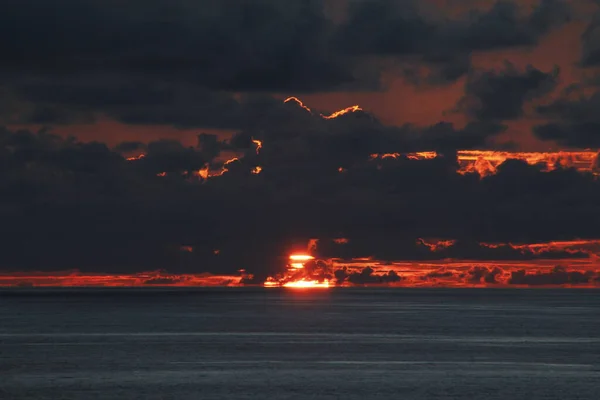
(136, 206)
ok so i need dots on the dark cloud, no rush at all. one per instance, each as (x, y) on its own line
(483, 275)
(355, 136)
(233, 45)
(573, 105)
(576, 134)
(459, 274)
(393, 28)
(164, 63)
(507, 275)
(503, 26)
(406, 247)
(438, 69)
(176, 63)
(590, 56)
(162, 281)
(138, 101)
(128, 147)
(366, 276)
(68, 204)
(500, 95)
(574, 120)
(558, 276)
(385, 27)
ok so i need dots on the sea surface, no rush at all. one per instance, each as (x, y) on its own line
(253, 343)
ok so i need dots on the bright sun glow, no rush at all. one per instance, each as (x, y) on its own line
(298, 275)
(307, 284)
(301, 257)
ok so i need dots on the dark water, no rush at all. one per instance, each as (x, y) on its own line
(277, 344)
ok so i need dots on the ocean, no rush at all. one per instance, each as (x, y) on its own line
(254, 343)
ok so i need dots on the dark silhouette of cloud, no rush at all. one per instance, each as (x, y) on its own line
(68, 204)
(262, 45)
(386, 27)
(574, 134)
(558, 276)
(503, 27)
(574, 120)
(590, 56)
(500, 95)
(177, 63)
(129, 147)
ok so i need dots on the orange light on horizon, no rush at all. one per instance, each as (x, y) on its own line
(296, 275)
(307, 284)
(422, 155)
(257, 170)
(486, 162)
(301, 257)
(142, 279)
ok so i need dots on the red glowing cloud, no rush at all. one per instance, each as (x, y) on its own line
(77, 279)
(306, 271)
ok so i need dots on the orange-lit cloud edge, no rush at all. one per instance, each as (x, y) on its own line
(305, 271)
(481, 162)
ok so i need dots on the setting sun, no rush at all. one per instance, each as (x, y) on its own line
(301, 257)
(306, 284)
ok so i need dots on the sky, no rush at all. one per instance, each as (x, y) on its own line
(205, 137)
